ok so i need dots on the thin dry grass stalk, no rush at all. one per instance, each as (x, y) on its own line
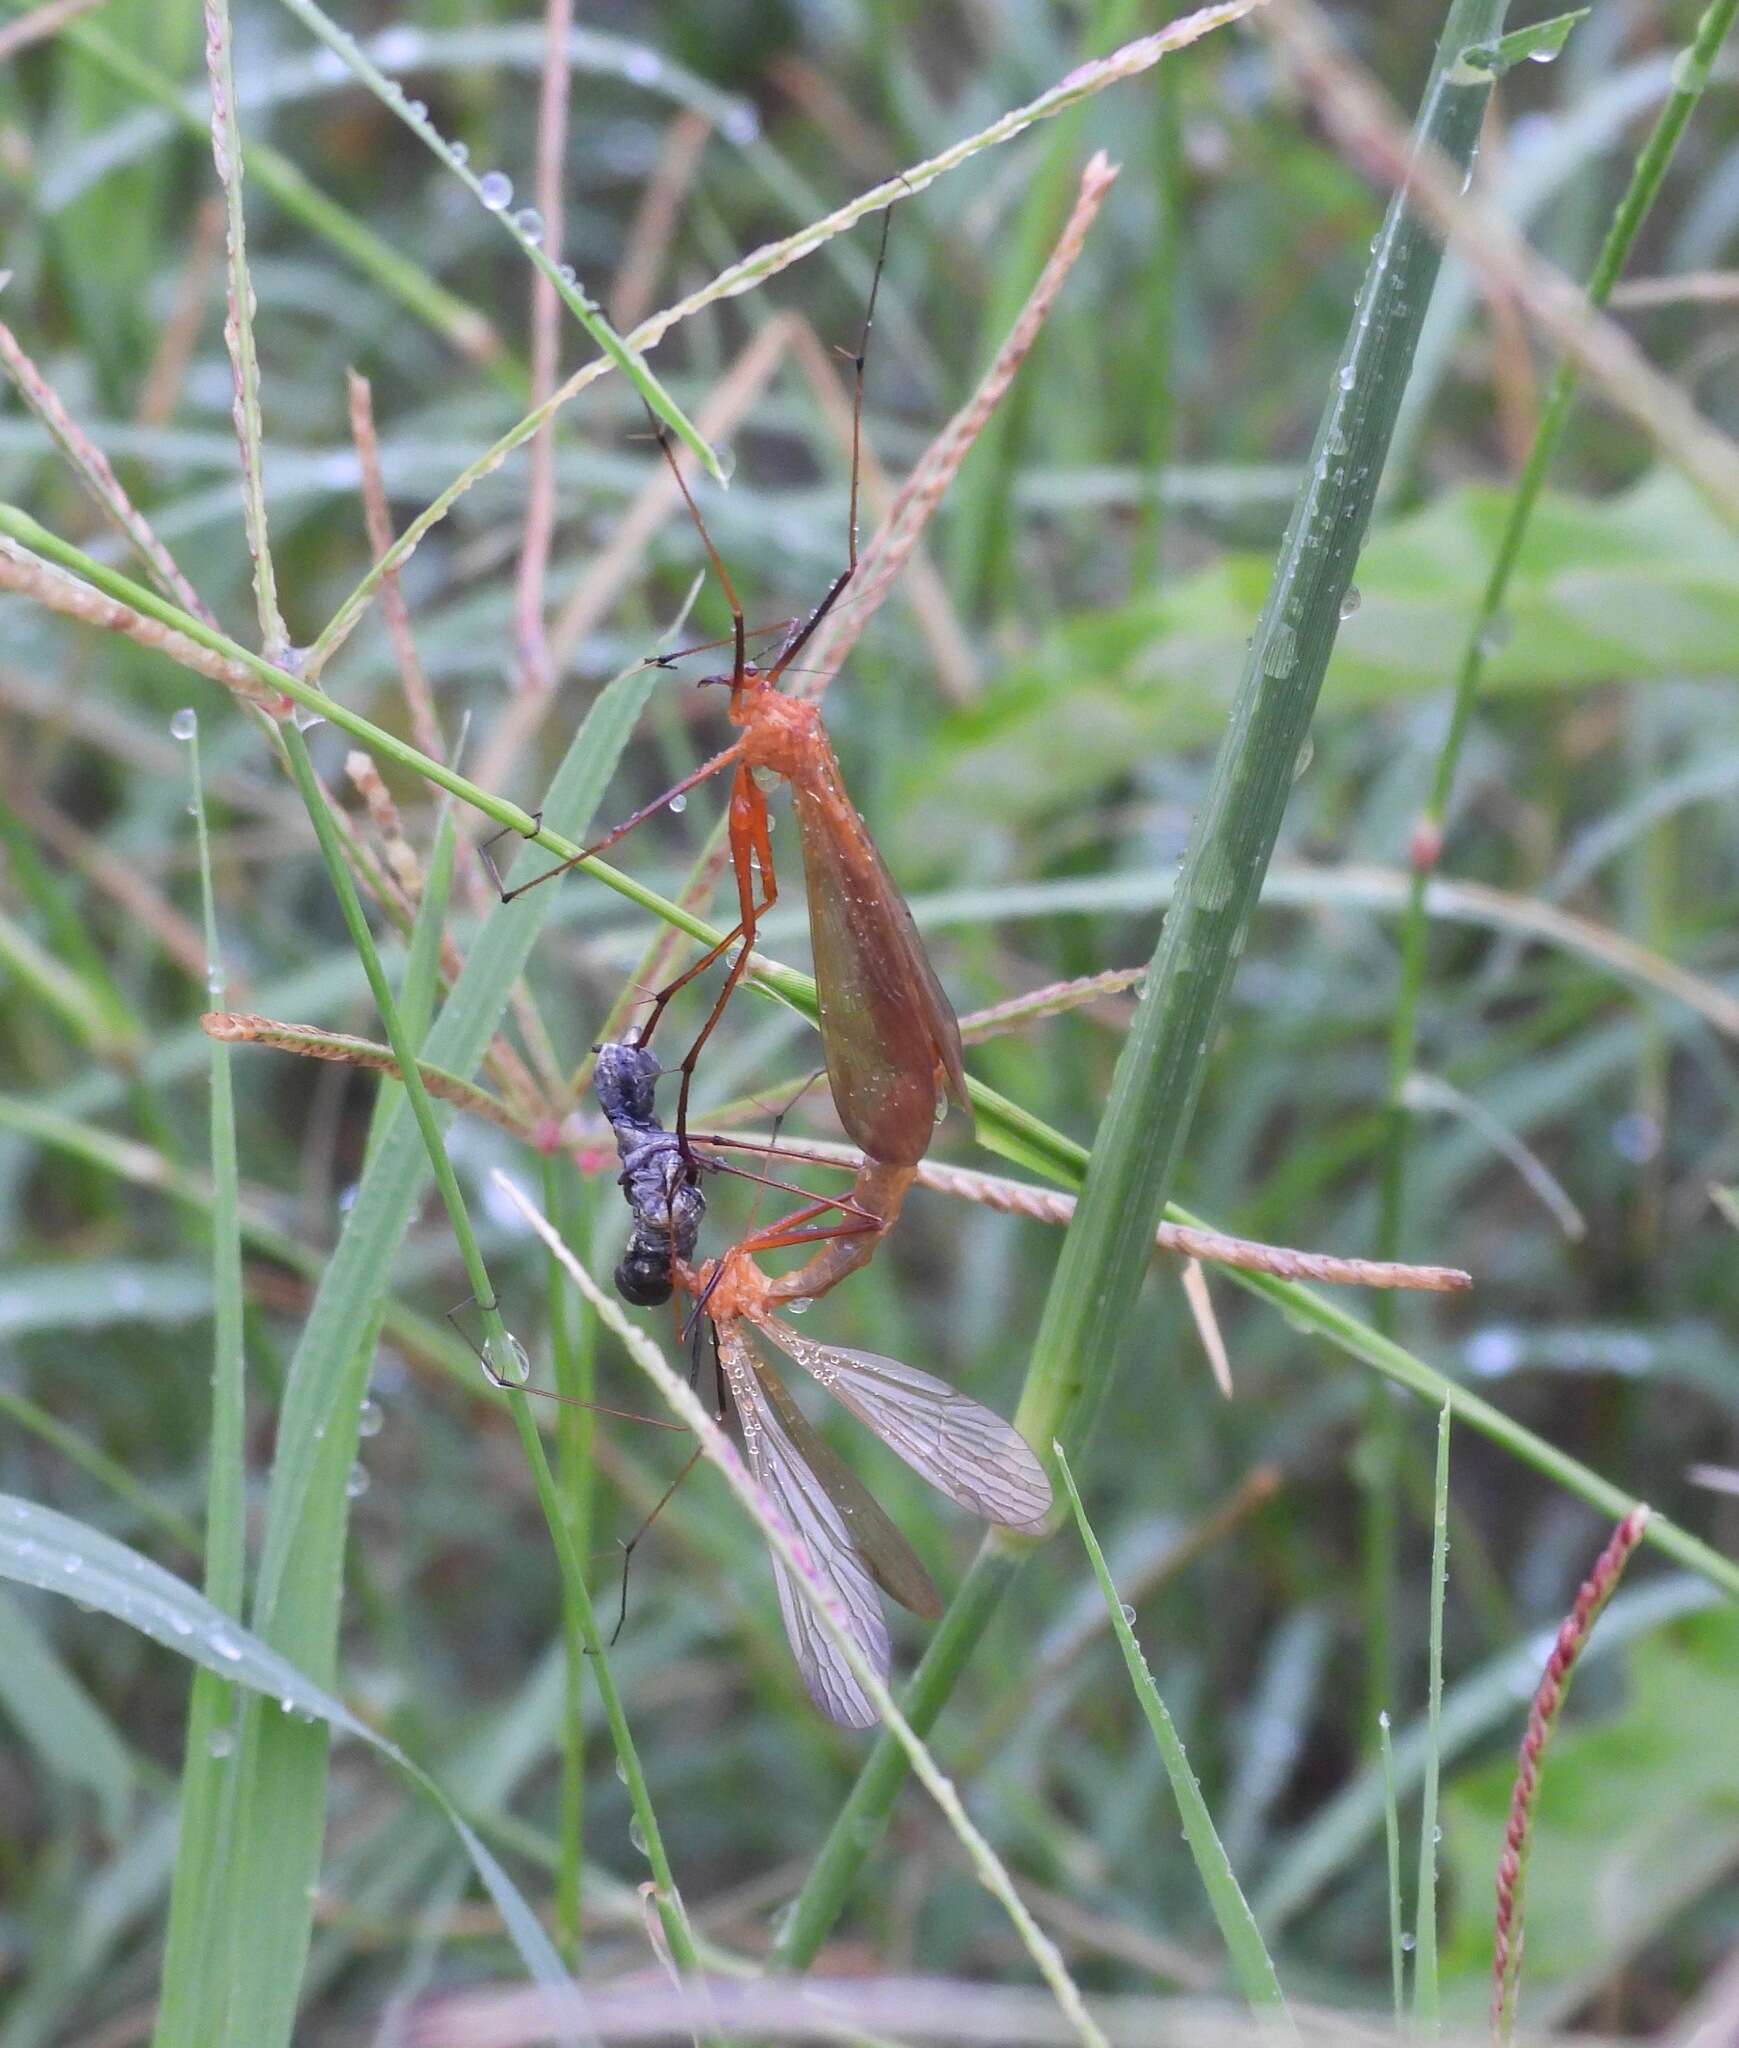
(28, 575)
(419, 700)
(40, 22)
(923, 490)
(1048, 1205)
(91, 466)
(653, 229)
(1055, 999)
(1512, 1868)
(312, 1043)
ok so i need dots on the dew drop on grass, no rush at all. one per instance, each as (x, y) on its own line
(185, 723)
(226, 1648)
(1346, 377)
(1351, 602)
(677, 805)
(567, 273)
(220, 1742)
(1409, 1942)
(741, 126)
(637, 1835)
(216, 981)
(621, 1771)
(1128, 1613)
(370, 1419)
(507, 1360)
(305, 718)
(529, 223)
(356, 1485)
(461, 152)
(495, 189)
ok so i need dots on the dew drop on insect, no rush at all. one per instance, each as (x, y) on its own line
(800, 1307)
(461, 152)
(220, 1742)
(941, 1108)
(370, 1419)
(305, 718)
(495, 189)
(1346, 377)
(677, 805)
(529, 223)
(356, 1485)
(1351, 602)
(184, 724)
(507, 1360)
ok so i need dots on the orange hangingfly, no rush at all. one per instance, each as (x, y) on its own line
(889, 1036)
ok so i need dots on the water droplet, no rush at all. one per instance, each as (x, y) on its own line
(216, 980)
(74, 1564)
(461, 152)
(1546, 55)
(305, 718)
(220, 1742)
(1351, 602)
(507, 1361)
(740, 126)
(567, 273)
(417, 109)
(1494, 634)
(529, 223)
(621, 1771)
(1636, 1138)
(642, 66)
(1383, 1718)
(637, 1835)
(800, 1307)
(495, 189)
(1437, 1834)
(287, 1704)
(230, 1652)
(677, 805)
(1347, 376)
(1306, 754)
(185, 723)
(356, 1484)
(1409, 1943)
(370, 1419)
(1128, 1613)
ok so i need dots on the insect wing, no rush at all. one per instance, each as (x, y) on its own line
(800, 1497)
(893, 1563)
(962, 1448)
(885, 1023)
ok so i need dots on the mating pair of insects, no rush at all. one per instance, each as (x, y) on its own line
(891, 1045)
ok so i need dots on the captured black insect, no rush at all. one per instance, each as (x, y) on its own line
(661, 1185)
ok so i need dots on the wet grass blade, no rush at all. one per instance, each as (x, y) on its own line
(1160, 1073)
(1426, 2003)
(1251, 1963)
(201, 1902)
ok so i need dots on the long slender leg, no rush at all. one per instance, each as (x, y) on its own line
(751, 845)
(688, 782)
(739, 631)
(794, 646)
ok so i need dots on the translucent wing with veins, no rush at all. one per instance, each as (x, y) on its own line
(850, 1541)
(962, 1448)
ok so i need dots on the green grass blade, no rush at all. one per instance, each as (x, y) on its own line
(1427, 2007)
(56, 1720)
(57, 1554)
(296, 1602)
(1392, 1844)
(200, 1902)
(1251, 1963)
(1164, 1060)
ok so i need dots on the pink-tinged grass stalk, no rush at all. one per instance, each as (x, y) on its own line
(1512, 1867)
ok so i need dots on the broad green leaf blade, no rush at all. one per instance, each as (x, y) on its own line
(56, 1554)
